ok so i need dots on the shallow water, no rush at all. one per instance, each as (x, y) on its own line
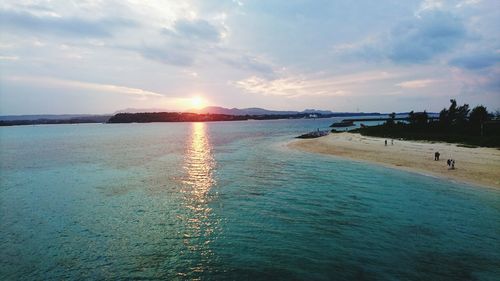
(225, 201)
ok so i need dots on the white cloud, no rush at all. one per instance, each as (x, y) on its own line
(428, 5)
(298, 86)
(467, 3)
(415, 84)
(11, 58)
(108, 88)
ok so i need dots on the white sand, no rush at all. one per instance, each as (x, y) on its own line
(480, 166)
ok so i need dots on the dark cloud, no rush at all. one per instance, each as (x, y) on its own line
(476, 61)
(414, 41)
(186, 40)
(194, 29)
(168, 55)
(250, 63)
(60, 25)
(423, 38)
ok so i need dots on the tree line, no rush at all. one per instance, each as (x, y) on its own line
(456, 124)
(455, 118)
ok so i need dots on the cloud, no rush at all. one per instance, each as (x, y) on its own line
(192, 40)
(58, 25)
(415, 84)
(195, 29)
(9, 58)
(477, 61)
(372, 49)
(168, 54)
(247, 62)
(298, 86)
(108, 88)
(183, 43)
(279, 50)
(467, 3)
(427, 5)
(479, 81)
(419, 40)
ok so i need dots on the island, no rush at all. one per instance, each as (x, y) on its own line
(146, 117)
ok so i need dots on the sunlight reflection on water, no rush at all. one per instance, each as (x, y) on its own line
(199, 166)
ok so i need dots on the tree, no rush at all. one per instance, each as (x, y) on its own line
(454, 115)
(477, 117)
(421, 118)
(411, 117)
(418, 119)
(461, 115)
(444, 117)
(391, 119)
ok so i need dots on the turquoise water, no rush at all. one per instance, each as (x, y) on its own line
(228, 201)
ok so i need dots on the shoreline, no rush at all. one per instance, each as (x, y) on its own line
(475, 166)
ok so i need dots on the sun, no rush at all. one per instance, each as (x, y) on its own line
(197, 102)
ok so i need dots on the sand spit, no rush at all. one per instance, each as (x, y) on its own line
(479, 166)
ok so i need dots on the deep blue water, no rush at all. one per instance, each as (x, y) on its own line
(228, 201)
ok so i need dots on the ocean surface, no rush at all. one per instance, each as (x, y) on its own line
(228, 201)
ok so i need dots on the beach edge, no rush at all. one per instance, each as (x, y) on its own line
(479, 172)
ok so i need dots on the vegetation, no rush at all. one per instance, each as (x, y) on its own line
(170, 117)
(456, 124)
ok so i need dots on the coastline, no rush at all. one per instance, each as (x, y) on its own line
(476, 166)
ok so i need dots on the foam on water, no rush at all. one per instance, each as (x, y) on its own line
(226, 201)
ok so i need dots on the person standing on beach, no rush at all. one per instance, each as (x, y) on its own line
(436, 156)
(385, 142)
(392, 142)
(453, 164)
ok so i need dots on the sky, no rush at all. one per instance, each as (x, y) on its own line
(97, 57)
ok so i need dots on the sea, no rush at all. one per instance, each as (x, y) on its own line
(228, 201)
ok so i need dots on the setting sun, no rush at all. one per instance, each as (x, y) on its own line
(197, 102)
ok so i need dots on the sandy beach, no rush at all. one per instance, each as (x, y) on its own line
(479, 166)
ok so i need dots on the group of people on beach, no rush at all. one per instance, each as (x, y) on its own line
(449, 162)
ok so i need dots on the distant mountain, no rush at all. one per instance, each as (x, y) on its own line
(141, 110)
(315, 111)
(252, 111)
